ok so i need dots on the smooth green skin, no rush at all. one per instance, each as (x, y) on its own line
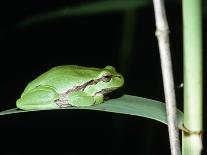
(48, 91)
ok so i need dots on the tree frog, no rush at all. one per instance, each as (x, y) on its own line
(69, 85)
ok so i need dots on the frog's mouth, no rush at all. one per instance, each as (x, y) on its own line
(106, 91)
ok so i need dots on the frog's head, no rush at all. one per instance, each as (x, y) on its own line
(108, 80)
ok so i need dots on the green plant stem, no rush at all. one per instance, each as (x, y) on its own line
(162, 32)
(192, 19)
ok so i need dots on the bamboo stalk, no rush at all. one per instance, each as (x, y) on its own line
(162, 32)
(193, 82)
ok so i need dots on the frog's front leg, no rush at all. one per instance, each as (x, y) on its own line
(99, 98)
(40, 98)
(81, 99)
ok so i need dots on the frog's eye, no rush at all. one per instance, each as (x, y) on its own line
(106, 78)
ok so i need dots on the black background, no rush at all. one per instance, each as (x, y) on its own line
(92, 40)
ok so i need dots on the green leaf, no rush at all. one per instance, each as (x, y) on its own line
(86, 9)
(126, 104)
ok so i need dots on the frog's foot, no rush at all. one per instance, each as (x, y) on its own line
(62, 102)
(99, 98)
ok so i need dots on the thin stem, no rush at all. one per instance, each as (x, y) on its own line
(167, 73)
(192, 20)
(128, 39)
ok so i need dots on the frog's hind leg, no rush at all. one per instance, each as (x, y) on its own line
(40, 98)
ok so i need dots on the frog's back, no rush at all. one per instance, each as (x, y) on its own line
(64, 77)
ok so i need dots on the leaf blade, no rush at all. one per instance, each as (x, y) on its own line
(85, 9)
(126, 104)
